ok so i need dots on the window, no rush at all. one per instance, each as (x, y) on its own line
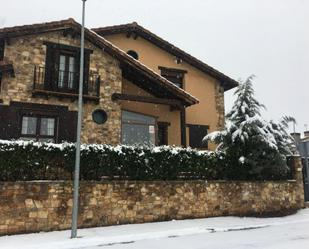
(133, 54)
(66, 71)
(138, 129)
(38, 128)
(196, 135)
(163, 133)
(174, 75)
(62, 68)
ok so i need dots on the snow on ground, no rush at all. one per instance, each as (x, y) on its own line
(211, 233)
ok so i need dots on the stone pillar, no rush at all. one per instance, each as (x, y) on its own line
(296, 167)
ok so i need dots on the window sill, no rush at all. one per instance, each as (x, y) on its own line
(63, 95)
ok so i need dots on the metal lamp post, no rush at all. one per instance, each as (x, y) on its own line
(78, 133)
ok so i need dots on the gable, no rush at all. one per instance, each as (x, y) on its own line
(133, 30)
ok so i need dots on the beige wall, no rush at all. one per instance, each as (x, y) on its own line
(28, 51)
(210, 110)
(161, 112)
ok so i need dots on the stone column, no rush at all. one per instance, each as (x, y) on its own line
(296, 167)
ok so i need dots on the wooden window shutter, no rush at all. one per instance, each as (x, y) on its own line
(163, 133)
(51, 67)
(196, 135)
(86, 71)
(2, 46)
(9, 122)
(67, 126)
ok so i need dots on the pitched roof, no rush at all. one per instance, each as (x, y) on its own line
(227, 82)
(96, 39)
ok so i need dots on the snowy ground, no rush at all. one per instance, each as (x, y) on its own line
(212, 233)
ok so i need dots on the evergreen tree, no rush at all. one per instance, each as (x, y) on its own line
(255, 149)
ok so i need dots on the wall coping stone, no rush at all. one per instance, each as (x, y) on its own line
(149, 182)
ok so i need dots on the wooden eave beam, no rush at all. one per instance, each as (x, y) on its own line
(145, 99)
(74, 96)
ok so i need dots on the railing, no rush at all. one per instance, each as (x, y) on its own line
(65, 82)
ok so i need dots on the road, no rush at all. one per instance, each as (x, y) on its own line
(211, 233)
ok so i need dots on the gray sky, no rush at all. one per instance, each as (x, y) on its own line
(268, 38)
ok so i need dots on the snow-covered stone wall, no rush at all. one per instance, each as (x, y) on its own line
(44, 206)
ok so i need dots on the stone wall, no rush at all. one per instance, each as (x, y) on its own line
(29, 51)
(43, 206)
(220, 106)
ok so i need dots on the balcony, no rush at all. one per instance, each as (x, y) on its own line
(65, 84)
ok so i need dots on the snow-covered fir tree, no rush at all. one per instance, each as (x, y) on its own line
(254, 148)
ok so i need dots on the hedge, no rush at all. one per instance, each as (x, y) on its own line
(26, 160)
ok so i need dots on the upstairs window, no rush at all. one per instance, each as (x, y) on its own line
(38, 128)
(62, 68)
(174, 75)
(67, 71)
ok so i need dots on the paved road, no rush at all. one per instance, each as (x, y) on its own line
(283, 236)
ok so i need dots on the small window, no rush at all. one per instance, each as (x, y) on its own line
(29, 126)
(174, 75)
(196, 135)
(38, 128)
(133, 54)
(138, 129)
(99, 116)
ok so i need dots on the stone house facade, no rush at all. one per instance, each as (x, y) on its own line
(125, 99)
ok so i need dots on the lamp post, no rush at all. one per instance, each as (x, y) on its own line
(78, 133)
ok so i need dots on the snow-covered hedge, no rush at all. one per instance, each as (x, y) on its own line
(23, 160)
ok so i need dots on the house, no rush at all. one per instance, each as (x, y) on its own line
(138, 88)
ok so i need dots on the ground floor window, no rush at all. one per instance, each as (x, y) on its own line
(138, 129)
(38, 128)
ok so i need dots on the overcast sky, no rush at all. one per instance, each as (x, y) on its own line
(268, 38)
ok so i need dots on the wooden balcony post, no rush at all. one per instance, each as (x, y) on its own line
(98, 85)
(34, 78)
(183, 131)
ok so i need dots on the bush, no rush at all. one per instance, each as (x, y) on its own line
(21, 160)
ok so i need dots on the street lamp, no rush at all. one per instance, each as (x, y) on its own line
(78, 133)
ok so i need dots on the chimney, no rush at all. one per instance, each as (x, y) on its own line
(306, 134)
(296, 137)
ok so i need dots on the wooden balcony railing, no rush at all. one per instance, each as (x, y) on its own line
(65, 84)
